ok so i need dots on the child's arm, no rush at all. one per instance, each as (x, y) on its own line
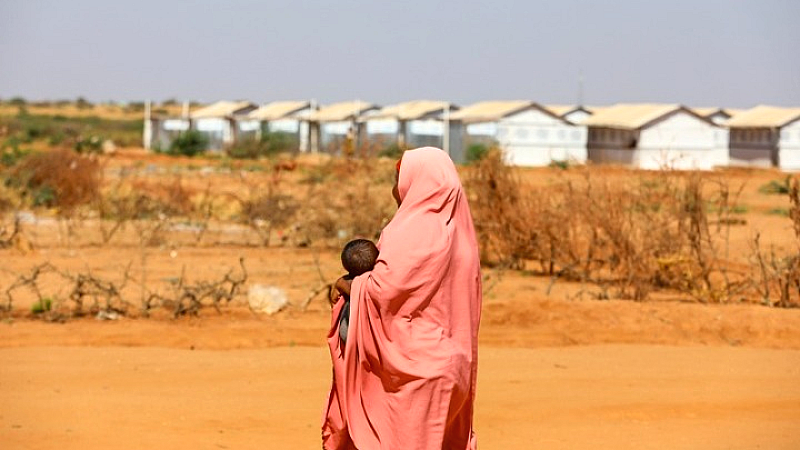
(343, 285)
(340, 288)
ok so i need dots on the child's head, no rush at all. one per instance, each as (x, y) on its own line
(359, 256)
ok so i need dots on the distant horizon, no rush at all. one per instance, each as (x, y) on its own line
(699, 53)
(179, 102)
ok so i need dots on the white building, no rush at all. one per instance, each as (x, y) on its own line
(411, 124)
(528, 134)
(218, 121)
(159, 131)
(287, 117)
(656, 136)
(766, 136)
(332, 126)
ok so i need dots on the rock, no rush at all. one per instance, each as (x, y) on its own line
(109, 147)
(266, 299)
(107, 315)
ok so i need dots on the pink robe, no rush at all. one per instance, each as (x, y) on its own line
(406, 379)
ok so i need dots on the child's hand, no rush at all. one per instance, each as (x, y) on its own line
(342, 286)
(333, 294)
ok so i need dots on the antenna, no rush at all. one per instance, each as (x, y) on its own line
(580, 87)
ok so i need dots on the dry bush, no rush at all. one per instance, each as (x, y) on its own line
(346, 199)
(777, 276)
(89, 293)
(653, 232)
(190, 298)
(57, 178)
(147, 206)
(266, 208)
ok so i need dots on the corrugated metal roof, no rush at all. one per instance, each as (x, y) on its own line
(633, 116)
(409, 110)
(340, 111)
(763, 116)
(220, 109)
(490, 110)
(278, 110)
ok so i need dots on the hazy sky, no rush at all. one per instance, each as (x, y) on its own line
(697, 52)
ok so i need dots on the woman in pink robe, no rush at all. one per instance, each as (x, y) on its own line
(406, 377)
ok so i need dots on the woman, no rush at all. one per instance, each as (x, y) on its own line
(406, 378)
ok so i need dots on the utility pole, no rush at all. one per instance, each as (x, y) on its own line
(446, 131)
(147, 135)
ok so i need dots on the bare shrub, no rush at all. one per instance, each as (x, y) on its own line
(266, 207)
(103, 295)
(649, 233)
(350, 198)
(32, 282)
(147, 206)
(89, 293)
(189, 298)
(9, 233)
(777, 276)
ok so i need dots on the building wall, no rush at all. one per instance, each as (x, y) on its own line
(425, 133)
(533, 138)
(789, 147)
(680, 141)
(753, 147)
(683, 141)
(164, 131)
(218, 131)
(334, 136)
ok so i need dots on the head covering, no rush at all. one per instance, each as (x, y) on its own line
(406, 379)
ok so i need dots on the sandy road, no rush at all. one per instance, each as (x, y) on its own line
(601, 397)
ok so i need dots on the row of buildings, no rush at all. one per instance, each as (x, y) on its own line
(649, 136)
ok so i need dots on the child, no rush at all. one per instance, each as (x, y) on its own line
(358, 256)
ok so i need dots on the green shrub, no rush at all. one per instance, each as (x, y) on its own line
(779, 212)
(269, 145)
(82, 103)
(776, 187)
(563, 165)
(91, 144)
(189, 143)
(476, 152)
(393, 151)
(42, 306)
(10, 153)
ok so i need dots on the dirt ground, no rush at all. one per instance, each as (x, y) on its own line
(558, 369)
(603, 397)
(554, 372)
